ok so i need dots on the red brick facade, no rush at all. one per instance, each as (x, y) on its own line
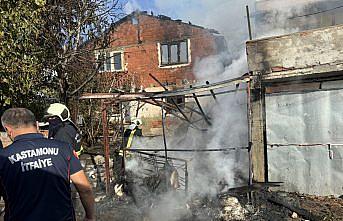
(138, 35)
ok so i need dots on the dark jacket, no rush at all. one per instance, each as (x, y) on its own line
(35, 176)
(66, 132)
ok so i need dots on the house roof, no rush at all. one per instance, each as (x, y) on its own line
(145, 13)
(160, 17)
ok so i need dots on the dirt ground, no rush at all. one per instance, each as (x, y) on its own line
(262, 206)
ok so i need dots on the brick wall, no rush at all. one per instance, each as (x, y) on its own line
(139, 42)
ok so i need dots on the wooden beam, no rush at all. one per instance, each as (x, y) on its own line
(257, 139)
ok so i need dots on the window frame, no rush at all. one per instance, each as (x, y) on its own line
(179, 53)
(112, 61)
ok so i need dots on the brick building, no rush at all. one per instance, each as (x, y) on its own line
(143, 44)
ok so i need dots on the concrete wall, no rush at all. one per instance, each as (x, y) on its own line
(303, 53)
(278, 63)
(312, 118)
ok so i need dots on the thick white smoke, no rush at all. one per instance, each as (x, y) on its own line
(229, 117)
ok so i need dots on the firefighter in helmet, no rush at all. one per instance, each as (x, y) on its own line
(62, 128)
(133, 130)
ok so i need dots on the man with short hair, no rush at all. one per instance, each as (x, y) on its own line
(36, 173)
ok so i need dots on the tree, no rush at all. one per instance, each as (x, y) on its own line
(47, 48)
(22, 50)
(76, 29)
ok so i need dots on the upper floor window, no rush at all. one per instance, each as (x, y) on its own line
(109, 61)
(174, 53)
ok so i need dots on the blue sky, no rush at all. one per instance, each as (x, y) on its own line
(146, 3)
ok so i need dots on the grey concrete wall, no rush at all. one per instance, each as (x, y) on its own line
(311, 170)
(303, 53)
(305, 140)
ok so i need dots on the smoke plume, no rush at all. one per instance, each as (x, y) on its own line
(229, 114)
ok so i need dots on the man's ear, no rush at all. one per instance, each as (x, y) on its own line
(9, 131)
(7, 128)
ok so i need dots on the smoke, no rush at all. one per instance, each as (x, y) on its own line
(131, 6)
(229, 114)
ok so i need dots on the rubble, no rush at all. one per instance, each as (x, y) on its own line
(176, 206)
(232, 209)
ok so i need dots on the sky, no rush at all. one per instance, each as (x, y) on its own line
(226, 16)
(197, 11)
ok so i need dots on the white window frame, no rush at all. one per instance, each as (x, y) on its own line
(112, 69)
(164, 66)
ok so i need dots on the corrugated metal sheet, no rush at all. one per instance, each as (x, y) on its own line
(306, 118)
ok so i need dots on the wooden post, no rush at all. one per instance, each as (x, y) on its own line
(257, 126)
(106, 147)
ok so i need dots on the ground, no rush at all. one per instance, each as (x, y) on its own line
(264, 205)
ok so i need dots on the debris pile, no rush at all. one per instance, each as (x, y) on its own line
(263, 205)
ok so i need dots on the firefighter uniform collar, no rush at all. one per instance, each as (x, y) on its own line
(28, 136)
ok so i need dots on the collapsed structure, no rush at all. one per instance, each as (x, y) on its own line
(285, 71)
(294, 92)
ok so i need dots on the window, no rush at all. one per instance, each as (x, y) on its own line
(117, 61)
(174, 53)
(179, 100)
(109, 61)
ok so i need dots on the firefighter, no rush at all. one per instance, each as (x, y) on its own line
(132, 131)
(35, 173)
(62, 128)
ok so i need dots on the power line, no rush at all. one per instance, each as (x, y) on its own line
(315, 13)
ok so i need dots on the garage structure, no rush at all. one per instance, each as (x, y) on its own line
(297, 110)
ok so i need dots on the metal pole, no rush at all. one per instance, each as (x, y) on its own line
(249, 24)
(122, 139)
(172, 99)
(138, 107)
(160, 83)
(189, 150)
(212, 92)
(106, 147)
(249, 132)
(164, 133)
(201, 110)
(156, 103)
(186, 177)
